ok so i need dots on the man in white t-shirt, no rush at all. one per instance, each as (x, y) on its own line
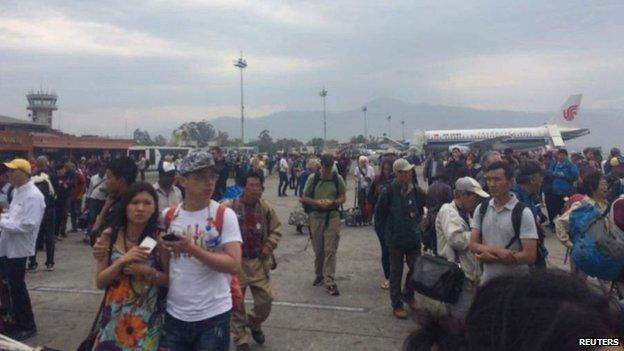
(168, 194)
(199, 301)
(283, 176)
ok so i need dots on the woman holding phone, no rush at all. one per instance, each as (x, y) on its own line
(132, 271)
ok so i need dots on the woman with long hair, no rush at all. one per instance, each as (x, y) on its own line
(132, 311)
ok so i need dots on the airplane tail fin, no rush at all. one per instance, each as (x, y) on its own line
(568, 111)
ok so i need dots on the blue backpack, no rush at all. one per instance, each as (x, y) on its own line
(232, 192)
(598, 243)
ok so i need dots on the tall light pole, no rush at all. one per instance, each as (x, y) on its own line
(402, 130)
(241, 64)
(389, 118)
(323, 94)
(364, 109)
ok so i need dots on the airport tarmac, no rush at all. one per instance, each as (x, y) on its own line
(304, 317)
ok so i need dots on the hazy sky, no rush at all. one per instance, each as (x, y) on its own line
(156, 63)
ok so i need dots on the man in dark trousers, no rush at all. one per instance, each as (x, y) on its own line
(120, 174)
(402, 205)
(44, 182)
(222, 168)
(18, 233)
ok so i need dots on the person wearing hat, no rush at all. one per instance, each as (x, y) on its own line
(199, 301)
(527, 188)
(324, 192)
(168, 194)
(19, 227)
(453, 238)
(401, 206)
(614, 160)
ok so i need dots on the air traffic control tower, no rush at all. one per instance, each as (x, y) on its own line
(42, 104)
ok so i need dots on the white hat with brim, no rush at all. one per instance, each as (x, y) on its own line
(401, 165)
(470, 185)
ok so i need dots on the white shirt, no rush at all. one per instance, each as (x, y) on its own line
(283, 167)
(498, 231)
(97, 187)
(196, 291)
(368, 171)
(168, 200)
(20, 225)
(453, 239)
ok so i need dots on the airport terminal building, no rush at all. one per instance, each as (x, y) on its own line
(28, 139)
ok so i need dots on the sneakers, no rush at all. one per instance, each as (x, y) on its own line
(317, 281)
(49, 267)
(332, 290)
(32, 268)
(258, 336)
(400, 313)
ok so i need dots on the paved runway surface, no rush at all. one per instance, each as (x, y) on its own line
(303, 317)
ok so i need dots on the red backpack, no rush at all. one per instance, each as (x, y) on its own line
(235, 289)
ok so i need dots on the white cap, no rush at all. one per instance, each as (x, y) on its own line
(470, 185)
(401, 165)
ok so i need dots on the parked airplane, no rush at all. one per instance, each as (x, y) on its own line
(559, 129)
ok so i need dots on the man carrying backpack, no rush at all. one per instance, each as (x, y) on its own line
(324, 192)
(207, 250)
(44, 183)
(401, 205)
(504, 236)
(527, 189)
(595, 189)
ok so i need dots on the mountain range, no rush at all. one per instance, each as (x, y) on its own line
(605, 124)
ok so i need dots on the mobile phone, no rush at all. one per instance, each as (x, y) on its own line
(149, 243)
(170, 237)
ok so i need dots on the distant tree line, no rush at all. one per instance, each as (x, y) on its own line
(202, 133)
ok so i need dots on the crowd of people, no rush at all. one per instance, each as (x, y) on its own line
(176, 257)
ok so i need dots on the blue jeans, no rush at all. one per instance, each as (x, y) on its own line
(210, 334)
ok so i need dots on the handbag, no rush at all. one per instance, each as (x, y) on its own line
(438, 278)
(89, 341)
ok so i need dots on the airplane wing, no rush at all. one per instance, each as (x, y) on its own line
(487, 144)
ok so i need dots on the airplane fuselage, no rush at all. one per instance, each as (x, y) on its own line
(515, 138)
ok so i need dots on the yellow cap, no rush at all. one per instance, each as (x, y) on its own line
(614, 162)
(19, 163)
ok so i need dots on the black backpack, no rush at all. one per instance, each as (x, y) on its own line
(317, 179)
(516, 219)
(516, 222)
